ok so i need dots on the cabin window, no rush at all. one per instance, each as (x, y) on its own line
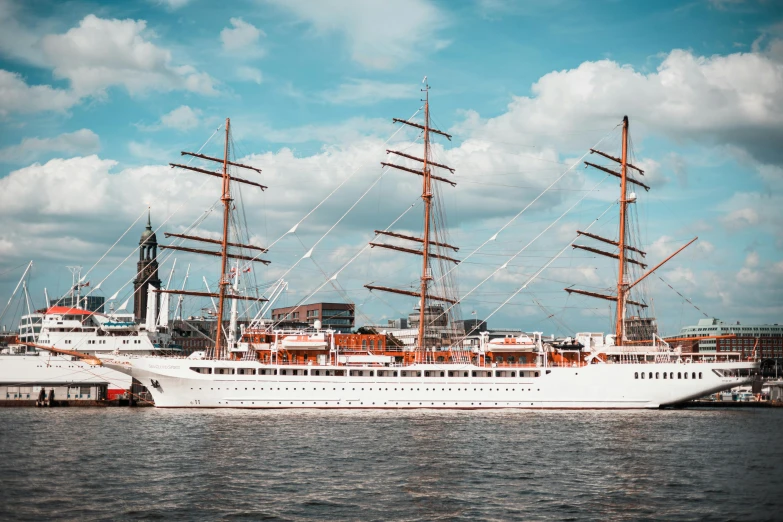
(282, 372)
(679, 375)
(656, 375)
(685, 375)
(699, 375)
(364, 344)
(316, 372)
(511, 359)
(693, 375)
(536, 374)
(650, 375)
(500, 359)
(642, 375)
(671, 375)
(664, 375)
(635, 375)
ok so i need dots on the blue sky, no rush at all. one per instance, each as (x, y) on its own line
(97, 99)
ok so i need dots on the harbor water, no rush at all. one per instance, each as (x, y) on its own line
(146, 463)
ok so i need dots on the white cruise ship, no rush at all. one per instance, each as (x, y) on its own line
(64, 329)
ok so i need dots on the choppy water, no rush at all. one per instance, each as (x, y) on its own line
(129, 464)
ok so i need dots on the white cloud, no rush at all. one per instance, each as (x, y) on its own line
(741, 218)
(351, 130)
(16, 96)
(380, 35)
(148, 151)
(80, 142)
(365, 92)
(241, 38)
(16, 40)
(754, 210)
(101, 53)
(250, 74)
(173, 5)
(733, 100)
(182, 118)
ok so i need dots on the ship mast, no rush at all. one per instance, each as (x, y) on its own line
(624, 250)
(621, 286)
(224, 243)
(226, 199)
(426, 241)
(426, 196)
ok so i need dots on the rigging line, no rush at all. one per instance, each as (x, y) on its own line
(334, 276)
(115, 244)
(534, 276)
(293, 229)
(689, 301)
(341, 184)
(335, 284)
(136, 274)
(505, 265)
(531, 203)
(310, 252)
(14, 268)
(161, 225)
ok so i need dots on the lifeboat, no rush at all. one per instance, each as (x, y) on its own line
(304, 342)
(523, 343)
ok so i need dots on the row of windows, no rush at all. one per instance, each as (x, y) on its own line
(365, 373)
(680, 375)
(383, 389)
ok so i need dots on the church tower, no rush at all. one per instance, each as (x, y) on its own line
(146, 272)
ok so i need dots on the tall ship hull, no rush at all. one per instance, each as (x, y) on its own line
(188, 383)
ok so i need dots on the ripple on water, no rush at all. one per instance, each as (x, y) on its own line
(141, 464)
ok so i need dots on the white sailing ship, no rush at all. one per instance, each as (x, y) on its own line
(267, 367)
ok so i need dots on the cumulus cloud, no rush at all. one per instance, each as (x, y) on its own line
(380, 35)
(250, 74)
(83, 141)
(365, 92)
(242, 38)
(16, 96)
(182, 118)
(173, 5)
(93, 56)
(100, 53)
(735, 99)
